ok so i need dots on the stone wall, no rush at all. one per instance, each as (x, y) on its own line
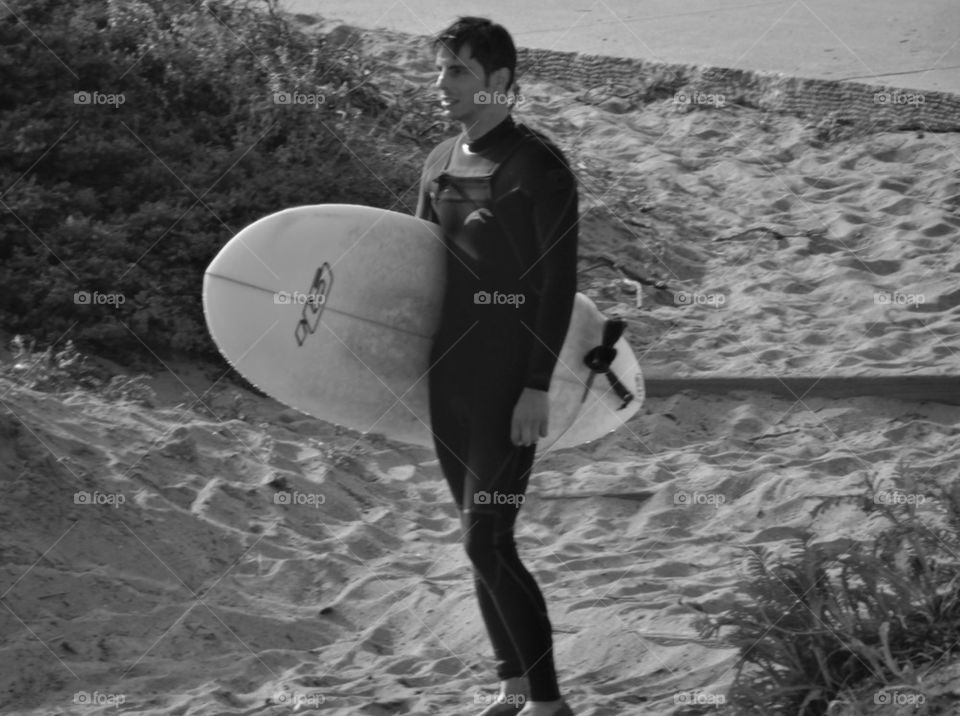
(867, 107)
(845, 106)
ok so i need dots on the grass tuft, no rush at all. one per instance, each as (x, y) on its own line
(822, 624)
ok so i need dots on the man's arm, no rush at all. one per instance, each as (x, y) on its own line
(556, 224)
(556, 227)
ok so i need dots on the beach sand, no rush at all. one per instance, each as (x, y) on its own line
(237, 557)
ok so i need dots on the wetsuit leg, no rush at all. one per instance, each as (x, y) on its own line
(488, 477)
(511, 603)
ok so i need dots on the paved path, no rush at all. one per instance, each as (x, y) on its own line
(900, 43)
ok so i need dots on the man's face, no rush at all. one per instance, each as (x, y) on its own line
(460, 80)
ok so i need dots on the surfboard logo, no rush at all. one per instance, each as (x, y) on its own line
(313, 305)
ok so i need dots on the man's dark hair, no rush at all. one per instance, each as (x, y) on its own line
(490, 43)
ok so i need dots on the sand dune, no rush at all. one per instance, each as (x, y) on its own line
(199, 593)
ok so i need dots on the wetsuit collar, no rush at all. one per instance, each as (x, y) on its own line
(491, 137)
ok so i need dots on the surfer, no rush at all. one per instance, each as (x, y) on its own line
(507, 202)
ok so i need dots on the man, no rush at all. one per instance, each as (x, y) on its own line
(507, 202)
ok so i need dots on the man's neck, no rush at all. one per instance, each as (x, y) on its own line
(474, 131)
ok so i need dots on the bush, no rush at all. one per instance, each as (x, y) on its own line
(115, 201)
(822, 623)
(66, 369)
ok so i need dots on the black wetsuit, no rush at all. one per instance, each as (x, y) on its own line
(508, 208)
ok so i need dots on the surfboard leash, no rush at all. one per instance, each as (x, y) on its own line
(600, 358)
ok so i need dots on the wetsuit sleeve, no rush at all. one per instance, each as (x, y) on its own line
(556, 226)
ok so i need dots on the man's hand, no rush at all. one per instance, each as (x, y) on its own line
(530, 417)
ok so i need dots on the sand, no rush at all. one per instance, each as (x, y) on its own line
(235, 557)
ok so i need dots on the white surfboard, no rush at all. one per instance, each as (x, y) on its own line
(332, 309)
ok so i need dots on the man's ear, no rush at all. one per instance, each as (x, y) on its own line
(499, 78)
